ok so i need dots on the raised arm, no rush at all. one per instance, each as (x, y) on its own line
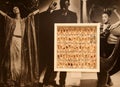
(117, 14)
(35, 12)
(51, 8)
(4, 14)
(115, 28)
(115, 25)
(32, 13)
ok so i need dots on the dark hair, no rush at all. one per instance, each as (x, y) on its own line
(23, 10)
(62, 3)
(108, 12)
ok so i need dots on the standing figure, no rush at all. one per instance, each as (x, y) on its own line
(20, 61)
(63, 15)
(104, 33)
(106, 43)
(110, 65)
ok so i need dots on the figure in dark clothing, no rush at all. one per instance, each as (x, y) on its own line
(110, 65)
(48, 18)
(104, 33)
(106, 65)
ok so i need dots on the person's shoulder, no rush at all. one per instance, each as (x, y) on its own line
(57, 11)
(43, 14)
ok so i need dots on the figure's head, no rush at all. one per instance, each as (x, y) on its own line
(106, 16)
(16, 10)
(64, 4)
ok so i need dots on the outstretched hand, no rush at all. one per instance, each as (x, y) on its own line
(52, 6)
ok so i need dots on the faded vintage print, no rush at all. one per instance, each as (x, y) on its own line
(76, 47)
(59, 43)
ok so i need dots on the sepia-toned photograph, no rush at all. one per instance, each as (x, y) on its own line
(36, 52)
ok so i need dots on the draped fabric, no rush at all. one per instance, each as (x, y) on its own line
(28, 68)
(15, 58)
(30, 71)
(106, 65)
